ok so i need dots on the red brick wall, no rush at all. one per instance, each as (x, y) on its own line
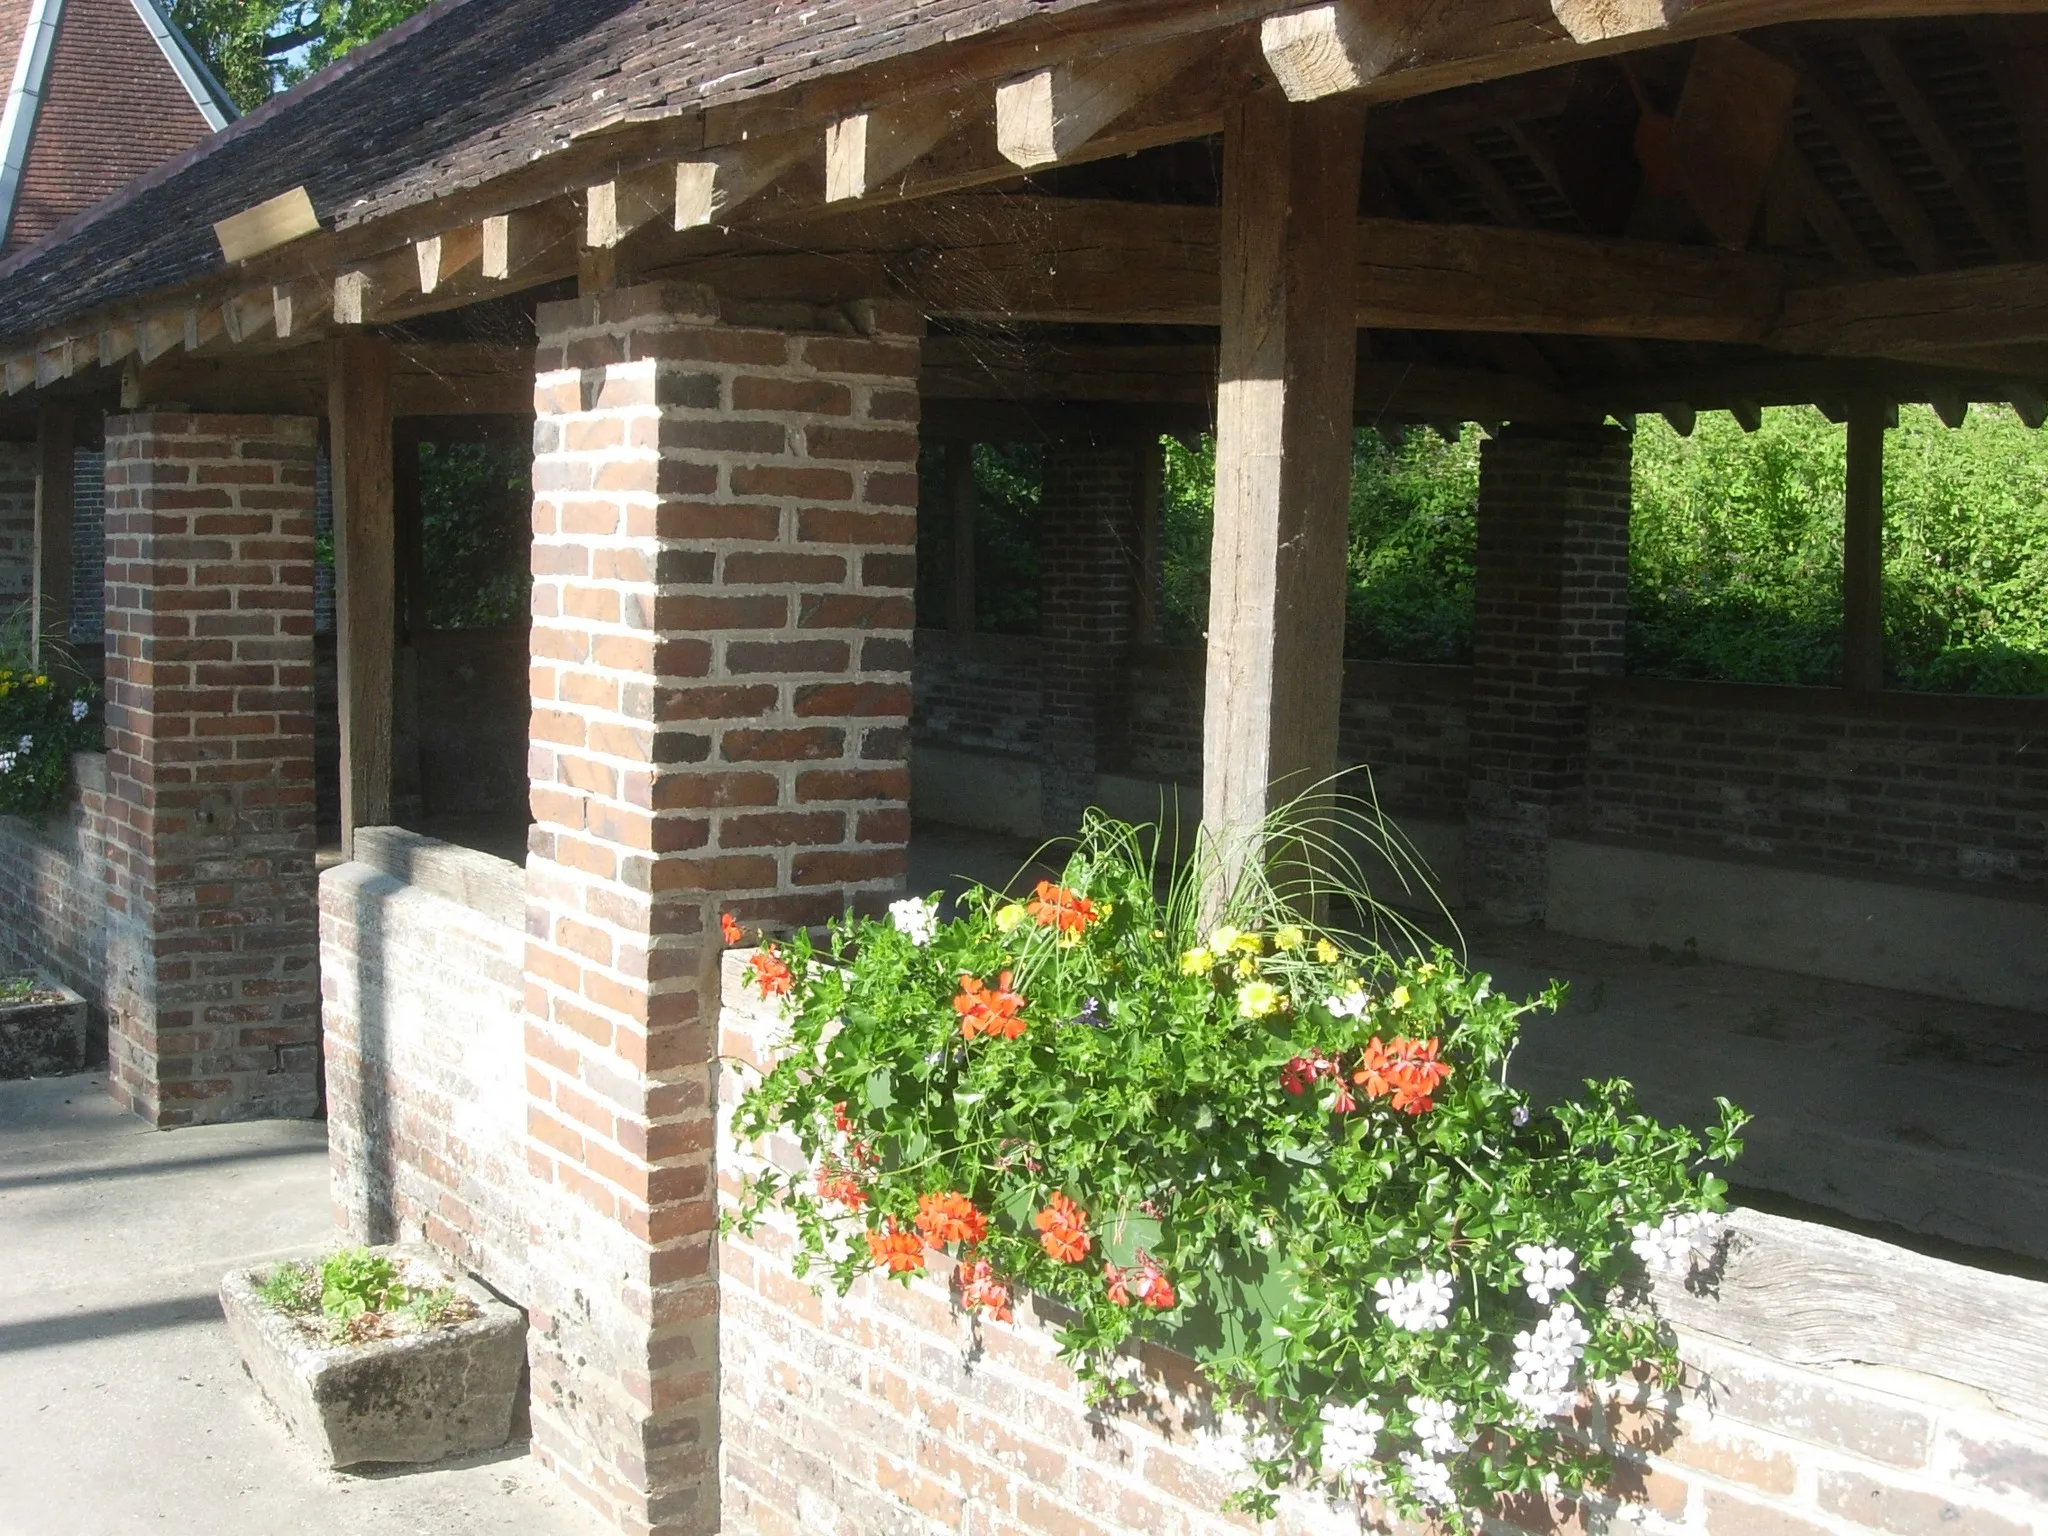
(212, 991)
(53, 888)
(887, 1410)
(723, 533)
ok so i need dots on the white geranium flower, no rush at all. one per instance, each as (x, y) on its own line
(916, 919)
(1676, 1243)
(1546, 1271)
(79, 710)
(6, 763)
(1430, 1481)
(1546, 1357)
(26, 744)
(1421, 1305)
(1436, 1426)
(1350, 1436)
(1350, 1005)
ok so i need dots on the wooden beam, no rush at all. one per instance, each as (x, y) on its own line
(159, 333)
(1872, 167)
(960, 504)
(372, 291)
(865, 149)
(529, 245)
(1819, 208)
(1728, 132)
(249, 316)
(1748, 414)
(1604, 21)
(56, 360)
(1863, 549)
(20, 371)
(1951, 405)
(1931, 317)
(447, 256)
(50, 610)
(1047, 116)
(613, 209)
(365, 602)
(711, 187)
(2030, 403)
(1948, 156)
(298, 308)
(117, 345)
(203, 326)
(1478, 172)
(1283, 466)
(1328, 50)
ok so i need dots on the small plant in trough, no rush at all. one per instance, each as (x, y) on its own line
(358, 1294)
(1287, 1151)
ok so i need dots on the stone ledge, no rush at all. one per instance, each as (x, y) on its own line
(493, 887)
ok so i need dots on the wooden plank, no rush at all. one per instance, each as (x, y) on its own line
(359, 370)
(1863, 548)
(1727, 134)
(1048, 115)
(864, 149)
(1287, 362)
(1956, 167)
(1930, 317)
(1809, 1295)
(50, 610)
(960, 503)
(277, 221)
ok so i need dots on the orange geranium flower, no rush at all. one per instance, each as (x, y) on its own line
(1063, 1230)
(1144, 1280)
(949, 1218)
(981, 1291)
(729, 928)
(987, 1010)
(771, 974)
(902, 1252)
(1057, 907)
(841, 1186)
(1403, 1071)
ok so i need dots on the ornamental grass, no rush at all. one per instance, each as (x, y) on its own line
(1288, 1150)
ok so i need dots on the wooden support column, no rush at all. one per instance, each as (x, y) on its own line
(365, 597)
(50, 613)
(407, 790)
(1283, 464)
(1863, 549)
(960, 503)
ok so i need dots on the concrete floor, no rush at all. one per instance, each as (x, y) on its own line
(123, 1405)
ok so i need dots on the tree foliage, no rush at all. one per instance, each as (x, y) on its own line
(260, 47)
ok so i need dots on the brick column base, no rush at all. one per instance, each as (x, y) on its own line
(213, 982)
(1088, 557)
(1551, 615)
(723, 561)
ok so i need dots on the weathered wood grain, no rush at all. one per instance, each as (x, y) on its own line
(365, 573)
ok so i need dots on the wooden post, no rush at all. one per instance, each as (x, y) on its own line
(50, 611)
(365, 597)
(1863, 549)
(1151, 489)
(1283, 465)
(960, 499)
(407, 797)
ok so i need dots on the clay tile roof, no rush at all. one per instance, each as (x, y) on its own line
(465, 92)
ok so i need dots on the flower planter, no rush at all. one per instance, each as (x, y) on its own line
(415, 1397)
(44, 1036)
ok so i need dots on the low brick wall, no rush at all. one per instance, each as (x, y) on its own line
(1835, 1384)
(421, 948)
(53, 889)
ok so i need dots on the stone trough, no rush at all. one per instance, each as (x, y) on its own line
(414, 1397)
(43, 1036)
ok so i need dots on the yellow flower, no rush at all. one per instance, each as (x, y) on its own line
(1258, 999)
(1009, 919)
(1289, 938)
(1247, 968)
(1249, 944)
(1398, 998)
(1221, 940)
(1326, 952)
(1196, 962)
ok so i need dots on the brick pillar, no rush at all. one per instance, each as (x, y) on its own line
(1551, 614)
(723, 556)
(1087, 596)
(213, 986)
(17, 527)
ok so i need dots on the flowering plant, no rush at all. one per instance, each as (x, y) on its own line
(41, 724)
(1295, 1157)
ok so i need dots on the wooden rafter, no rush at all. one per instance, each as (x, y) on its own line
(1956, 167)
(1868, 162)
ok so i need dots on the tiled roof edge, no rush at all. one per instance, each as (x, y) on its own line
(207, 93)
(24, 96)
